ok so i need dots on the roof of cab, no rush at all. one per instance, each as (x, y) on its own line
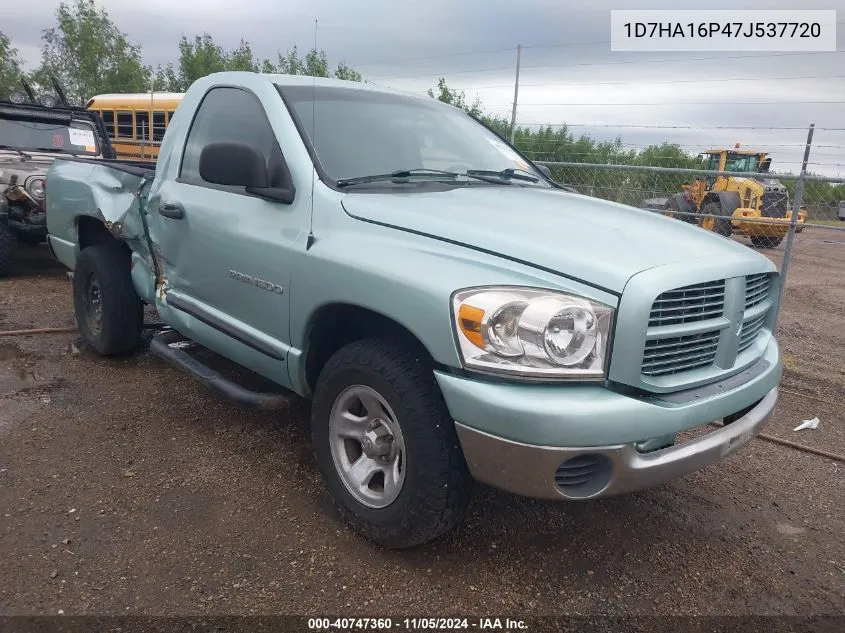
(306, 80)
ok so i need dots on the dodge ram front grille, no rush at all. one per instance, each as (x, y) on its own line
(687, 325)
(680, 353)
(749, 332)
(690, 303)
(756, 289)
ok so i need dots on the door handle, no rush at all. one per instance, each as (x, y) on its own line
(172, 210)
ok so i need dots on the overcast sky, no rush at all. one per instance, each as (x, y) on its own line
(568, 70)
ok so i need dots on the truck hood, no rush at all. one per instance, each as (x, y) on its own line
(14, 163)
(594, 241)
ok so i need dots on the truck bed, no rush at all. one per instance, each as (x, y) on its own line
(106, 190)
(142, 168)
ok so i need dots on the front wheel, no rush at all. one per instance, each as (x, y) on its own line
(720, 225)
(109, 312)
(764, 241)
(386, 446)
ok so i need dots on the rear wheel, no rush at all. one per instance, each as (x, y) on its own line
(764, 241)
(678, 208)
(109, 312)
(386, 446)
(7, 246)
(720, 225)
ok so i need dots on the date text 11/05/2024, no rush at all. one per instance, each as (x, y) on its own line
(416, 624)
(729, 29)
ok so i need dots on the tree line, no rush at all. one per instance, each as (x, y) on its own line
(89, 54)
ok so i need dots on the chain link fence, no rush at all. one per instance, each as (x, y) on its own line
(663, 189)
(795, 219)
(768, 209)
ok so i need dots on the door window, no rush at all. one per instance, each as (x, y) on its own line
(227, 115)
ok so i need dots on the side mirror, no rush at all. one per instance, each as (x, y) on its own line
(240, 165)
(545, 170)
(764, 166)
(233, 164)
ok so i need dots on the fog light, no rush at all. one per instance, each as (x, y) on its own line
(584, 476)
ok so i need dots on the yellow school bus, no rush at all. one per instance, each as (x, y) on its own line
(136, 122)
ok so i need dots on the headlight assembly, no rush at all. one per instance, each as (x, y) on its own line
(532, 333)
(35, 188)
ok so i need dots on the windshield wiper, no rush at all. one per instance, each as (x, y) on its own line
(511, 173)
(404, 174)
(23, 154)
(398, 175)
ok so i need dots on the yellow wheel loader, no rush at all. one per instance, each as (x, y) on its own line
(731, 204)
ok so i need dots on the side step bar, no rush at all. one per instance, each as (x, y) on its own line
(167, 346)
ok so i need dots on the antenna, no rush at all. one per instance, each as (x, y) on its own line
(310, 242)
(59, 92)
(27, 89)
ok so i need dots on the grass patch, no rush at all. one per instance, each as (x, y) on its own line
(790, 363)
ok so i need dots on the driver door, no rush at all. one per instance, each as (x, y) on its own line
(227, 253)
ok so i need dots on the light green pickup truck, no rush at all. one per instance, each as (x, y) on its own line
(453, 314)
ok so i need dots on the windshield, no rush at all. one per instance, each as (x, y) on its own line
(45, 136)
(738, 162)
(362, 133)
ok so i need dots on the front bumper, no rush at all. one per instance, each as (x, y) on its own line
(600, 471)
(585, 441)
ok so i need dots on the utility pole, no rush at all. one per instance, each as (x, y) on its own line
(515, 92)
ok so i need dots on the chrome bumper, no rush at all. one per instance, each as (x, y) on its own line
(588, 472)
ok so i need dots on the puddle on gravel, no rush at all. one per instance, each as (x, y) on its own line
(19, 370)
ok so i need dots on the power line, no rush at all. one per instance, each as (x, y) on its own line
(673, 103)
(611, 63)
(669, 81)
(511, 49)
(555, 142)
(748, 143)
(678, 127)
(491, 51)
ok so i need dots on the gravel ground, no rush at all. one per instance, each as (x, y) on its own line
(127, 488)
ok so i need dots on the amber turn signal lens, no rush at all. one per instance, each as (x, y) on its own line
(469, 318)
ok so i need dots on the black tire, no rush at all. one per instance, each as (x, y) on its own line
(437, 484)
(115, 327)
(674, 206)
(764, 241)
(7, 248)
(723, 224)
(31, 239)
(670, 209)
